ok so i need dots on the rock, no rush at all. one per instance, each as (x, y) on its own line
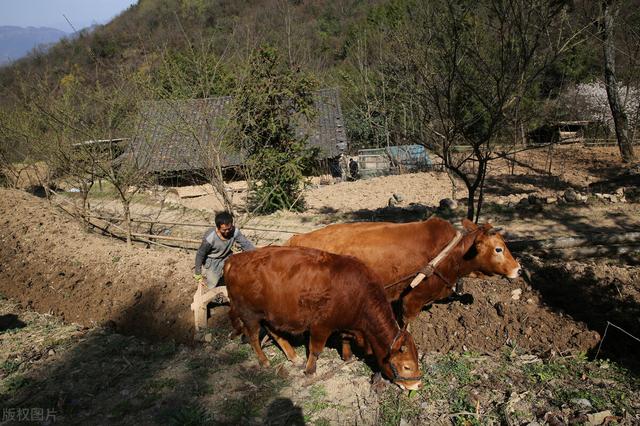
(208, 337)
(499, 309)
(524, 202)
(551, 200)
(614, 198)
(392, 202)
(534, 199)
(403, 422)
(515, 294)
(620, 192)
(448, 203)
(581, 402)
(598, 418)
(51, 352)
(399, 197)
(570, 195)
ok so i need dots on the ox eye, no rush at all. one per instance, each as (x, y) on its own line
(498, 249)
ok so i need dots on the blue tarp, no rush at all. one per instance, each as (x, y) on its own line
(409, 156)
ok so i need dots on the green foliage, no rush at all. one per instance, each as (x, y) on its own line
(190, 415)
(271, 102)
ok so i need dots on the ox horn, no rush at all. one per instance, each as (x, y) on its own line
(494, 231)
(417, 280)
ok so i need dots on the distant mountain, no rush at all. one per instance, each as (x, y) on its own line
(15, 42)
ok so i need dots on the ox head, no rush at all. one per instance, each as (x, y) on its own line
(401, 365)
(489, 253)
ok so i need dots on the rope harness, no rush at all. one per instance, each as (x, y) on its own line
(430, 268)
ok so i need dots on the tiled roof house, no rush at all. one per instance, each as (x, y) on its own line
(178, 136)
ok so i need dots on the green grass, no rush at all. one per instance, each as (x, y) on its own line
(159, 385)
(235, 355)
(395, 405)
(10, 366)
(14, 384)
(189, 415)
(453, 366)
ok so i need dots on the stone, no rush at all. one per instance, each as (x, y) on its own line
(392, 202)
(582, 402)
(399, 197)
(598, 418)
(515, 294)
(620, 192)
(208, 337)
(534, 199)
(448, 203)
(551, 200)
(570, 195)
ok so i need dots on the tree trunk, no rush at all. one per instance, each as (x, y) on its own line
(470, 203)
(610, 10)
(127, 218)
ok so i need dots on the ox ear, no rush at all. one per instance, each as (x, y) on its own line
(468, 225)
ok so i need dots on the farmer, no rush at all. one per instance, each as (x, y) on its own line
(213, 252)
(353, 169)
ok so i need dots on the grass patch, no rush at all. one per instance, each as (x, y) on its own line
(396, 406)
(158, 385)
(10, 366)
(235, 355)
(188, 415)
(454, 367)
(13, 384)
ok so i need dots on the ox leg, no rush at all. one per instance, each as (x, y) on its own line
(317, 340)
(346, 348)
(284, 345)
(252, 331)
(236, 323)
(363, 343)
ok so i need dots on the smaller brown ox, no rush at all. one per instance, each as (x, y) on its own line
(293, 290)
(396, 252)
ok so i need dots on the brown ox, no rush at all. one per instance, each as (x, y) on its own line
(397, 251)
(294, 289)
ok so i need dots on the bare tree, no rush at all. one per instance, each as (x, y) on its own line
(465, 69)
(188, 87)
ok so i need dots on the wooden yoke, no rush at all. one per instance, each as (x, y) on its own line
(428, 270)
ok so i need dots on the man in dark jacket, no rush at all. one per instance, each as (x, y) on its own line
(216, 247)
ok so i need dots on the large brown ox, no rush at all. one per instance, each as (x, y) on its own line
(397, 251)
(295, 289)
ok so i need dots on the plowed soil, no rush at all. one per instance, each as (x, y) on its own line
(52, 264)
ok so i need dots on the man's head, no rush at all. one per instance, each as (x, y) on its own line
(224, 223)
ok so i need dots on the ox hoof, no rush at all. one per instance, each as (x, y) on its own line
(265, 363)
(310, 371)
